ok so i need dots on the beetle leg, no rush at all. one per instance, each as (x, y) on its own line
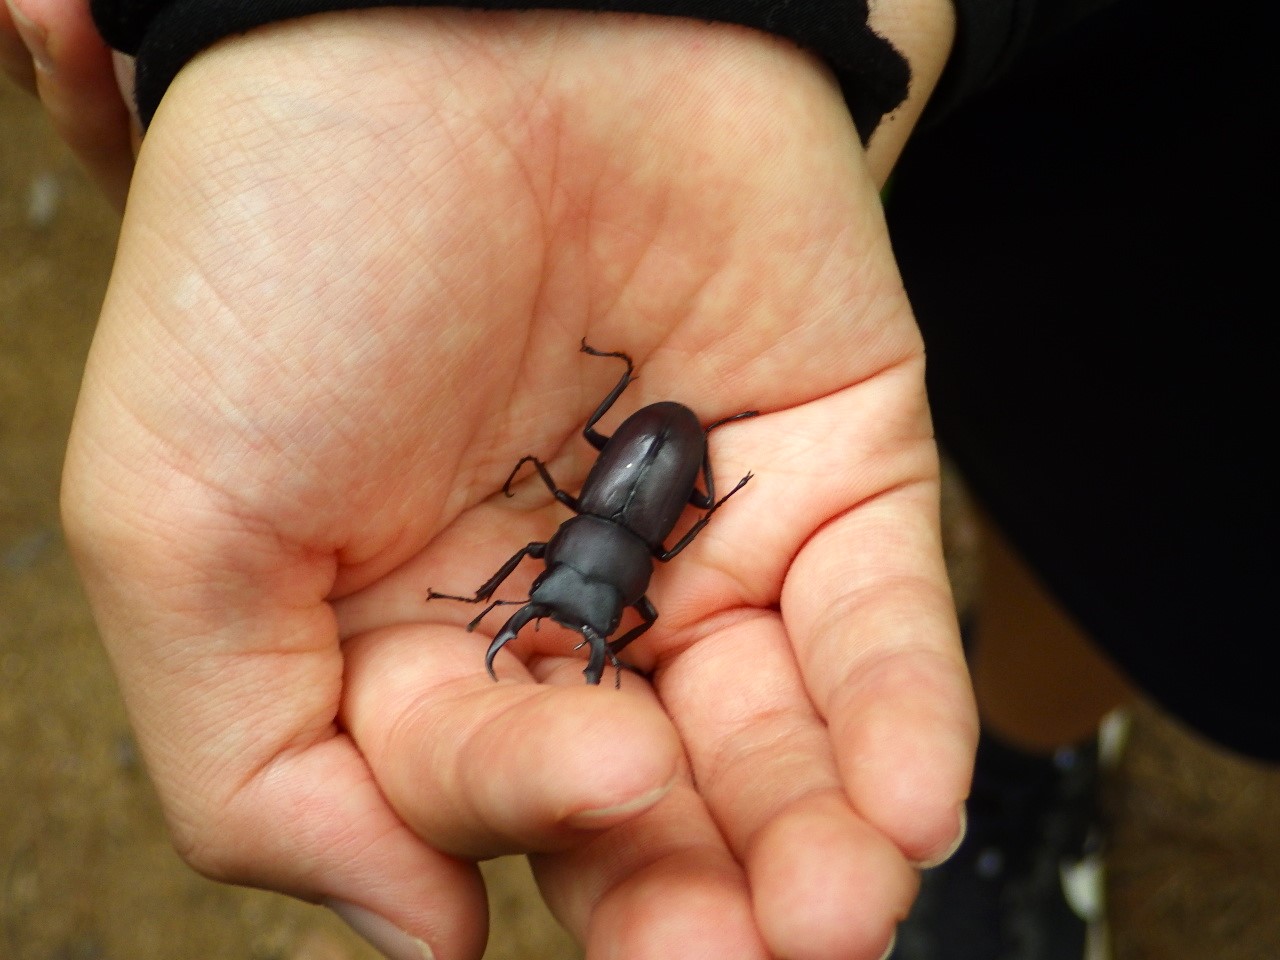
(535, 550)
(644, 606)
(509, 630)
(744, 415)
(618, 666)
(665, 555)
(596, 439)
(489, 609)
(560, 495)
(595, 663)
(705, 501)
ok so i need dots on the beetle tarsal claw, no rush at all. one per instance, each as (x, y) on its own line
(600, 652)
(617, 670)
(595, 662)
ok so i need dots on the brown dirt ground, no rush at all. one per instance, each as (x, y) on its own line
(86, 870)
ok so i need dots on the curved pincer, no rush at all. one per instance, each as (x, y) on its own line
(530, 611)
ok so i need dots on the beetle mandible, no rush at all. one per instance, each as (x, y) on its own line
(599, 561)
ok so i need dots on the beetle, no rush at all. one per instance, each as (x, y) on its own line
(600, 560)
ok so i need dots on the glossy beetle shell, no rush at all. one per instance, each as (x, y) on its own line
(645, 473)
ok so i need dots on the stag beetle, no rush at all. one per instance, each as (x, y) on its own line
(599, 561)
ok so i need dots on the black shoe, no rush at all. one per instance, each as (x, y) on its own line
(1026, 882)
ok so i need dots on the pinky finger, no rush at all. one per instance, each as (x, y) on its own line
(75, 79)
(15, 58)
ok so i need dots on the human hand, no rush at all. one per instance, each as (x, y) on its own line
(359, 256)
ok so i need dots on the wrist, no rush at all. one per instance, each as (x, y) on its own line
(867, 59)
(923, 31)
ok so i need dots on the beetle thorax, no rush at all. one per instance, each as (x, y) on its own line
(605, 552)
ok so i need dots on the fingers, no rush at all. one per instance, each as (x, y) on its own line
(479, 768)
(825, 882)
(639, 869)
(834, 743)
(876, 637)
(660, 887)
(71, 70)
(593, 773)
(865, 600)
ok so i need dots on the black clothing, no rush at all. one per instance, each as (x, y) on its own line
(1079, 246)
(165, 35)
(990, 34)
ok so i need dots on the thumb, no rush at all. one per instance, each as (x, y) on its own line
(229, 663)
(479, 768)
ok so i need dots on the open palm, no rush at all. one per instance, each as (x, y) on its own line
(360, 255)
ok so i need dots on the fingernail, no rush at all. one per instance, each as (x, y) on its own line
(955, 844)
(126, 70)
(606, 816)
(385, 936)
(33, 35)
(893, 942)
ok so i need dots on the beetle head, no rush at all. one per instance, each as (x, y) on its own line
(576, 601)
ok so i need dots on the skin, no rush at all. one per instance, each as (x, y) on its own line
(358, 257)
(52, 49)
(1043, 695)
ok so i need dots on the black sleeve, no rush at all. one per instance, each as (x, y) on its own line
(874, 77)
(991, 35)
(165, 34)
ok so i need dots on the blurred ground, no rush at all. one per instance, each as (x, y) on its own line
(86, 871)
